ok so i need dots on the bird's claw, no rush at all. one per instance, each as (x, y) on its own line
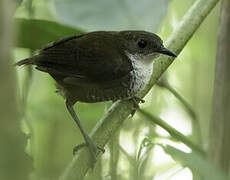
(76, 148)
(136, 100)
(92, 149)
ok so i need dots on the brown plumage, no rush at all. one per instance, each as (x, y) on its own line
(99, 66)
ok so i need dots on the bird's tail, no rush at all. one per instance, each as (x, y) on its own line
(26, 61)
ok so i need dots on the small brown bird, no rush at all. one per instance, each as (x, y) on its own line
(99, 66)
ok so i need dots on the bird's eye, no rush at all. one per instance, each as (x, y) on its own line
(142, 43)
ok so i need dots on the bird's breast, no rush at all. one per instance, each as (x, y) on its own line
(140, 76)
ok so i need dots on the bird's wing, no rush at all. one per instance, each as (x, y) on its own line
(91, 56)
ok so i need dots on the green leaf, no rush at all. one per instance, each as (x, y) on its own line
(196, 162)
(34, 33)
(112, 14)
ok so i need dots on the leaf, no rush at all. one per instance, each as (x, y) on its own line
(196, 162)
(34, 33)
(111, 14)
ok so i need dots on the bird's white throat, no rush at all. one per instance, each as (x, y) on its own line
(141, 73)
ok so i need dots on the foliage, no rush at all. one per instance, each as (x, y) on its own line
(45, 31)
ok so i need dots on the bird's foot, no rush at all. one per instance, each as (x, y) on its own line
(92, 150)
(136, 100)
(78, 147)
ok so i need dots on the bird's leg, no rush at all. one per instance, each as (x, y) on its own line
(136, 100)
(88, 141)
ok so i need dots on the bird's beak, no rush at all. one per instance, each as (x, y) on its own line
(163, 50)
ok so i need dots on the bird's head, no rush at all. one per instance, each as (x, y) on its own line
(144, 44)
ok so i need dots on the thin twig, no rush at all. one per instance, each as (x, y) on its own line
(172, 131)
(195, 123)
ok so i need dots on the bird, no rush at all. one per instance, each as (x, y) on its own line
(99, 66)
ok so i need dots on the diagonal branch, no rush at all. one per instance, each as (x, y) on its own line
(172, 131)
(120, 110)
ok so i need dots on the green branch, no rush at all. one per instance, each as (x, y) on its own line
(172, 131)
(195, 122)
(120, 110)
(164, 84)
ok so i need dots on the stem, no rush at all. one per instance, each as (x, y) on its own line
(114, 155)
(120, 110)
(195, 122)
(219, 146)
(187, 106)
(172, 131)
(14, 163)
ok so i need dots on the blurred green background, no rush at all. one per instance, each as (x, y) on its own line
(135, 152)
